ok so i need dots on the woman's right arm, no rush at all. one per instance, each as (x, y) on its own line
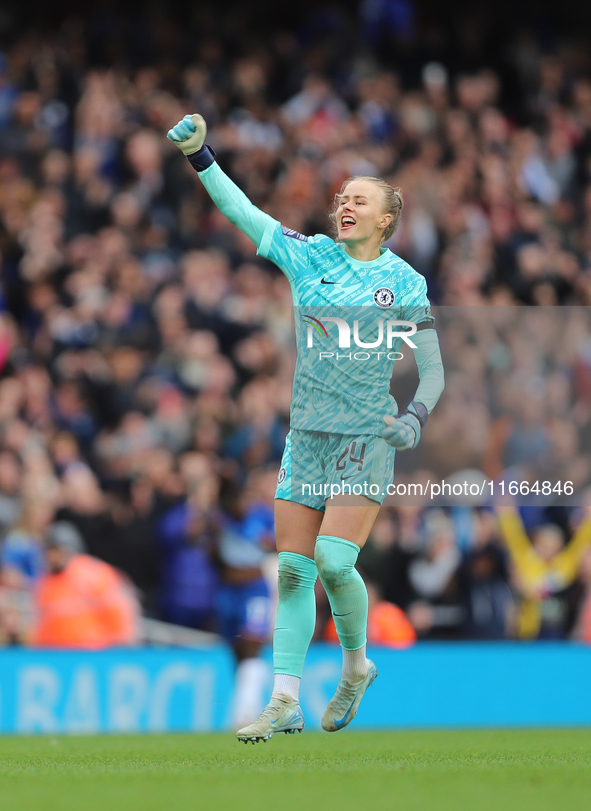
(232, 202)
(189, 135)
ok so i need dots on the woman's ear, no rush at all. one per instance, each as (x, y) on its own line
(385, 221)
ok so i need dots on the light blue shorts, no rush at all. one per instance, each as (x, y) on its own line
(317, 466)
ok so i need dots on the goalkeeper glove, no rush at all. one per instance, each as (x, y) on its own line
(403, 431)
(189, 135)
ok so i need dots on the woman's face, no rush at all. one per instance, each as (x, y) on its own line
(360, 215)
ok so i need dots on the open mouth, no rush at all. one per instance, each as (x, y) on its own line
(347, 222)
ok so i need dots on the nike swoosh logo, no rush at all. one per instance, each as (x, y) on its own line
(343, 720)
(323, 281)
(343, 478)
(297, 717)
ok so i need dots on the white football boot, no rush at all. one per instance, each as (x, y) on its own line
(343, 706)
(278, 716)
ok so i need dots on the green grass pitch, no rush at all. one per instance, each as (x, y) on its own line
(504, 770)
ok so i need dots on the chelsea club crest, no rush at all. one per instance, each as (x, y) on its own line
(383, 297)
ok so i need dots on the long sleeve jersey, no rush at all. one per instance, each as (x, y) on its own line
(353, 320)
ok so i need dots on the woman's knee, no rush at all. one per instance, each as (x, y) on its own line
(296, 572)
(333, 573)
(289, 579)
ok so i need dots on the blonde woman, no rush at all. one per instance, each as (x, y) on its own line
(339, 456)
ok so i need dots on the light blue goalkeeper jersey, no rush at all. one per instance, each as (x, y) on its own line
(343, 370)
(346, 315)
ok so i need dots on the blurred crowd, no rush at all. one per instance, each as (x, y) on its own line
(145, 350)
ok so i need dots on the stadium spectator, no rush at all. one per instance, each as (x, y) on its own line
(10, 489)
(433, 576)
(21, 556)
(187, 535)
(582, 625)
(543, 571)
(81, 602)
(485, 595)
(243, 602)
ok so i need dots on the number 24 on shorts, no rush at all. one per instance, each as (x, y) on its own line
(348, 454)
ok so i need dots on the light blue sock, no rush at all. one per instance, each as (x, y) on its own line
(335, 559)
(296, 613)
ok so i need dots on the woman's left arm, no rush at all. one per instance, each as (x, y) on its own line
(404, 431)
(430, 366)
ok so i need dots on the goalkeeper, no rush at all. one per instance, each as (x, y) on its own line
(344, 426)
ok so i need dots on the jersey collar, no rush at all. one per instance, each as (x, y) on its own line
(383, 259)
